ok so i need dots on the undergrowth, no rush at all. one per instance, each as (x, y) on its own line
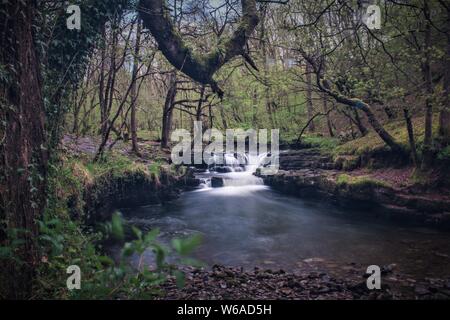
(65, 240)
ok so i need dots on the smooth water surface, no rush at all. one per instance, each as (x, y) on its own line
(248, 224)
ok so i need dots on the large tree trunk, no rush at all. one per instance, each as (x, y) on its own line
(168, 111)
(134, 93)
(23, 159)
(444, 115)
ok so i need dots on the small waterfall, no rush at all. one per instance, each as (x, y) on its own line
(235, 170)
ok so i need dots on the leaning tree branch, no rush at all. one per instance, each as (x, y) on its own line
(200, 67)
(325, 86)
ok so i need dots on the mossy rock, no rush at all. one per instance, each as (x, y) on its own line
(347, 162)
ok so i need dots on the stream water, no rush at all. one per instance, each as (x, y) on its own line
(248, 224)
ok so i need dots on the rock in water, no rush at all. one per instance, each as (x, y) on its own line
(216, 182)
(223, 169)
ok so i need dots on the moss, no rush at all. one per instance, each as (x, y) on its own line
(360, 181)
(372, 143)
(347, 162)
(325, 144)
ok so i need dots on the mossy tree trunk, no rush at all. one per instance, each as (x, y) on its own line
(23, 159)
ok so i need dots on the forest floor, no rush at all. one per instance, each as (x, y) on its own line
(150, 150)
(403, 179)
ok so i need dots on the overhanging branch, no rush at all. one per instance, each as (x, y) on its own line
(200, 67)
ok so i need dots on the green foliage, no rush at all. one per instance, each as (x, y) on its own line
(111, 163)
(325, 144)
(155, 168)
(124, 281)
(444, 154)
(14, 242)
(65, 240)
(117, 227)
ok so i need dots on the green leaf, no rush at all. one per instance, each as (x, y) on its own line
(186, 246)
(151, 236)
(128, 250)
(180, 278)
(117, 226)
(137, 232)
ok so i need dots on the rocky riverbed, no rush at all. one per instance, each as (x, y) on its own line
(222, 283)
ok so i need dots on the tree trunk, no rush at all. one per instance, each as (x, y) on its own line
(263, 45)
(362, 129)
(426, 69)
(325, 110)
(23, 159)
(134, 93)
(379, 129)
(444, 115)
(309, 103)
(198, 115)
(168, 110)
(101, 91)
(412, 140)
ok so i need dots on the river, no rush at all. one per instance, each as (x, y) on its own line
(248, 224)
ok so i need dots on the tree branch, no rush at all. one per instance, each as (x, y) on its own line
(201, 68)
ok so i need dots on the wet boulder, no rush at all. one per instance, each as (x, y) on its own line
(217, 182)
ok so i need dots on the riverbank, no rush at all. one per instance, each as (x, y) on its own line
(121, 179)
(393, 191)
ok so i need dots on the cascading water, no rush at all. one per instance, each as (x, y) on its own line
(234, 170)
